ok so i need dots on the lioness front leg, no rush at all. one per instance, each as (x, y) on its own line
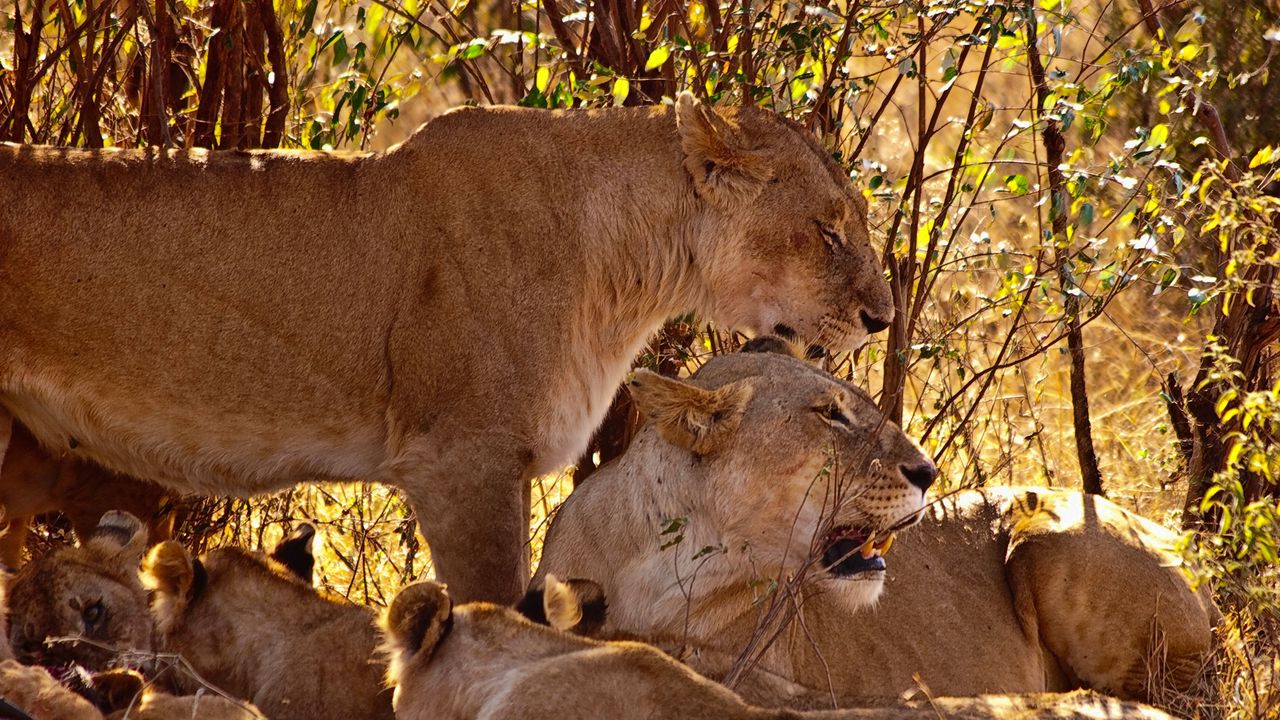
(474, 514)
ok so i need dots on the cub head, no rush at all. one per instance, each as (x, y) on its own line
(790, 251)
(783, 466)
(90, 592)
(446, 660)
(177, 578)
(575, 605)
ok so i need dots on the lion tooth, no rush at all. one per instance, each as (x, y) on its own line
(888, 542)
(868, 548)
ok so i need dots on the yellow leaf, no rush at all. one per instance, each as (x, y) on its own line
(1159, 135)
(1188, 52)
(657, 57)
(1261, 157)
(621, 88)
(543, 79)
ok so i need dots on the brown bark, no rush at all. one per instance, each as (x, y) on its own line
(26, 52)
(1059, 207)
(233, 86)
(279, 88)
(255, 77)
(210, 104)
(155, 104)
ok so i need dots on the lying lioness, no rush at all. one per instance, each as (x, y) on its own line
(451, 317)
(485, 662)
(999, 591)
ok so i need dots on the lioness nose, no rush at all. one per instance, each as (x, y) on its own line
(874, 325)
(922, 476)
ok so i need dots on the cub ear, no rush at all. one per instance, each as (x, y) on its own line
(701, 421)
(716, 156)
(169, 569)
(119, 537)
(419, 618)
(576, 606)
(294, 552)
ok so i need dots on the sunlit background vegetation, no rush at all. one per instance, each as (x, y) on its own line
(1076, 202)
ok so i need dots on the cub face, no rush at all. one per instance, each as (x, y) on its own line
(91, 591)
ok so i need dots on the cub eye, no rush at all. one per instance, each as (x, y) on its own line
(93, 614)
(833, 413)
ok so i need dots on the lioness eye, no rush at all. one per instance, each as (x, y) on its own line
(93, 614)
(833, 413)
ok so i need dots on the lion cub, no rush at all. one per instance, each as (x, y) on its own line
(28, 691)
(485, 662)
(250, 625)
(253, 627)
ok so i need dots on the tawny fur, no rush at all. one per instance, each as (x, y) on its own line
(207, 706)
(33, 481)
(53, 598)
(451, 317)
(758, 507)
(255, 630)
(999, 591)
(484, 662)
(34, 691)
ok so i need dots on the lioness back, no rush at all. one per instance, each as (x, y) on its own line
(232, 323)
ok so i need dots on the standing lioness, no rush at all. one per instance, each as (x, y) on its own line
(451, 317)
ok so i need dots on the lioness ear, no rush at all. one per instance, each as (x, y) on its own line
(698, 420)
(722, 168)
(419, 618)
(294, 552)
(119, 537)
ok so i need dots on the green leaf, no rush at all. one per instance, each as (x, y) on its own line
(474, 49)
(657, 57)
(1018, 184)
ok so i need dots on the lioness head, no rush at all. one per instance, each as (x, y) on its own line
(760, 465)
(90, 592)
(794, 254)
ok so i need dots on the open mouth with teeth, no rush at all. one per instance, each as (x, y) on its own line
(855, 551)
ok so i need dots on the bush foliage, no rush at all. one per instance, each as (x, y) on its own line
(1076, 202)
